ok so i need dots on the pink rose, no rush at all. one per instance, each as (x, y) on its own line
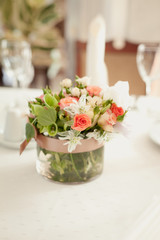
(94, 90)
(81, 122)
(67, 101)
(110, 117)
(107, 120)
(42, 97)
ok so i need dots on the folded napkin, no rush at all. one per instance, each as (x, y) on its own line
(95, 65)
(147, 226)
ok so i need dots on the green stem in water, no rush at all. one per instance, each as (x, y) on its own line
(92, 158)
(75, 169)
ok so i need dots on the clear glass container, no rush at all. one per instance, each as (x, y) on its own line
(70, 167)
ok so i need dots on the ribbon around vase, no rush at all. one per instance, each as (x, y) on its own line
(57, 145)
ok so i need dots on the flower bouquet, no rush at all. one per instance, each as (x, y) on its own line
(71, 127)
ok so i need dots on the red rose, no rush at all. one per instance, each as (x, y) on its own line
(81, 122)
(118, 111)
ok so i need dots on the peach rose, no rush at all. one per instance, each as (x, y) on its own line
(67, 101)
(118, 111)
(94, 90)
(107, 120)
(81, 122)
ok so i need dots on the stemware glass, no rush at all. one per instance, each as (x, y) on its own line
(148, 63)
(16, 61)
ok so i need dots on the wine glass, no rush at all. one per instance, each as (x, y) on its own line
(16, 61)
(148, 63)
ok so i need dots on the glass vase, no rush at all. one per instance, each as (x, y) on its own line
(70, 167)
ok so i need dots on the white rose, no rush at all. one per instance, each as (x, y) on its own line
(66, 83)
(97, 100)
(84, 91)
(119, 93)
(75, 92)
(106, 121)
(90, 113)
(84, 81)
(93, 101)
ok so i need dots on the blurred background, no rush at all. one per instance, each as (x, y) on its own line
(57, 31)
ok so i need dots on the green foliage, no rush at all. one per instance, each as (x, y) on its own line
(6, 7)
(47, 90)
(52, 129)
(107, 103)
(61, 95)
(68, 124)
(36, 109)
(50, 100)
(74, 167)
(46, 116)
(31, 17)
(61, 114)
(30, 131)
(96, 110)
(120, 118)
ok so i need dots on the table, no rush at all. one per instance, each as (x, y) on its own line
(32, 207)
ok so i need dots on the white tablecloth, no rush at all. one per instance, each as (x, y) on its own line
(32, 207)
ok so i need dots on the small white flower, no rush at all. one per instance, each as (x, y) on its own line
(66, 83)
(75, 92)
(101, 138)
(72, 137)
(90, 101)
(93, 101)
(78, 107)
(84, 91)
(97, 100)
(84, 81)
